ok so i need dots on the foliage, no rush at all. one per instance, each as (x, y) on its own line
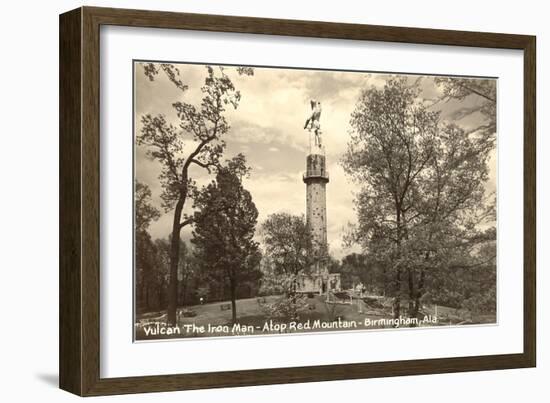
(188, 270)
(225, 223)
(288, 244)
(469, 284)
(200, 131)
(360, 268)
(422, 199)
(147, 278)
(284, 308)
(485, 90)
(172, 72)
(145, 212)
(202, 126)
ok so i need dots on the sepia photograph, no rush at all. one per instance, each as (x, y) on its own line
(273, 200)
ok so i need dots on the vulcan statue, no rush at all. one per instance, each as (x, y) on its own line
(312, 122)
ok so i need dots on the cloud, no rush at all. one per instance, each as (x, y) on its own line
(268, 128)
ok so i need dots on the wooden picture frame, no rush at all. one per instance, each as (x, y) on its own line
(79, 348)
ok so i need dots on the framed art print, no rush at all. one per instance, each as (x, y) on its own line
(251, 201)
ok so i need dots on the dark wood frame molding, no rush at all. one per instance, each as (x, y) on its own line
(79, 347)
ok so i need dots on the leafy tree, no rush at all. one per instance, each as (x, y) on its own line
(289, 253)
(354, 269)
(145, 270)
(422, 196)
(196, 141)
(288, 244)
(391, 144)
(188, 272)
(187, 269)
(145, 212)
(225, 223)
(468, 283)
(146, 251)
(485, 92)
(361, 268)
(452, 211)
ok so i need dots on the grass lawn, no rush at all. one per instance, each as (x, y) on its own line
(250, 314)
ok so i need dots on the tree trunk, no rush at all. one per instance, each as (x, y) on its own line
(397, 297)
(160, 295)
(413, 313)
(419, 292)
(147, 302)
(233, 289)
(184, 291)
(384, 280)
(174, 262)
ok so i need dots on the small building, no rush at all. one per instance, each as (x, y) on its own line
(318, 283)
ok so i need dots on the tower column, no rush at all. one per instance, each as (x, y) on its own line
(316, 178)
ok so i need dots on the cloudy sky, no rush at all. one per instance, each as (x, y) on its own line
(268, 128)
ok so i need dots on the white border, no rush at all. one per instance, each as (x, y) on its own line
(121, 357)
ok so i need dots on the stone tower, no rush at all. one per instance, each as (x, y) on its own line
(316, 178)
(317, 279)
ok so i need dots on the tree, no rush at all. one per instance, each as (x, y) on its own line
(186, 268)
(468, 283)
(359, 268)
(146, 251)
(145, 212)
(453, 211)
(187, 272)
(391, 144)
(354, 269)
(422, 195)
(225, 223)
(200, 130)
(288, 244)
(456, 205)
(485, 90)
(145, 270)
